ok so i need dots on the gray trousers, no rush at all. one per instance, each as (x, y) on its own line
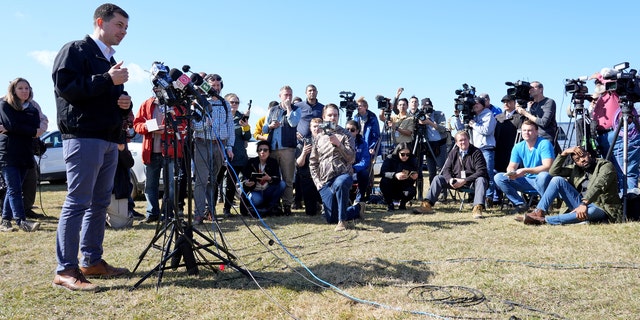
(440, 182)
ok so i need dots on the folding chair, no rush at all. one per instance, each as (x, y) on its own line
(467, 193)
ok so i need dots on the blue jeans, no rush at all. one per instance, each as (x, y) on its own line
(335, 199)
(269, 197)
(490, 158)
(363, 184)
(13, 207)
(91, 167)
(560, 187)
(511, 187)
(152, 184)
(617, 157)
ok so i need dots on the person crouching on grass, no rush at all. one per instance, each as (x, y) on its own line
(330, 162)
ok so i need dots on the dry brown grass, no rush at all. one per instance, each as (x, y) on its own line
(384, 264)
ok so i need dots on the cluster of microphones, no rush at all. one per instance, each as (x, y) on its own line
(175, 88)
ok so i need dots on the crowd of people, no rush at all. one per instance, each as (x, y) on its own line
(305, 159)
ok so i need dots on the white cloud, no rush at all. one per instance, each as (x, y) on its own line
(44, 57)
(137, 74)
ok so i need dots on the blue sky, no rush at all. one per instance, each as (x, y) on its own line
(368, 47)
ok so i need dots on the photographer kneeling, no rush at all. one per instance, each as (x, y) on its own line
(399, 174)
(332, 155)
(465, 167)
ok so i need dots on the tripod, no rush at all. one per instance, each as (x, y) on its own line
(174, 237)
(420, 141)
(626, 113)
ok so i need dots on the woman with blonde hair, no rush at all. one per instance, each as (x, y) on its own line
(19, 123)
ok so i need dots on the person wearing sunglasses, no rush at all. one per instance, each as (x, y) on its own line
(242, 131)
(362, 162)
(330, 163)
(465, 167)
(262, 183)
(399, 174)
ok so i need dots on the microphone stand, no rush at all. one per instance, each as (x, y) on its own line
(178, 236)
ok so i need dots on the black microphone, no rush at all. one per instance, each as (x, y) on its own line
(182, 82)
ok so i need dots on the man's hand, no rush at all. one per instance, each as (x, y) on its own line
(581, 212)
(459, 183)
(230, 154)
(249, 183)
(118, 74)
(335, 141)
(274, 124)
(573, 150)
(399, 92)
(124, 101)
(287, 105)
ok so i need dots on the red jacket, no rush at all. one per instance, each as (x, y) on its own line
(139, 125)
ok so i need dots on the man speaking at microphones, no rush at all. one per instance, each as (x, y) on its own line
(91, 106)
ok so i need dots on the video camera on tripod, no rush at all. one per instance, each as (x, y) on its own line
(627, 84)
(579, 93)
(465, 101)
(348, 103)
(520, 91)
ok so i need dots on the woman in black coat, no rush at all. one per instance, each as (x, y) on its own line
(19, 122)
(399, 173)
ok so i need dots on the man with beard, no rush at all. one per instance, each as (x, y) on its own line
(589, 188)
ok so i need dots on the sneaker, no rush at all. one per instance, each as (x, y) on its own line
(6, 226)
(425, 208)
(297, 205)
(226, 213)
(477, 211)
(391, 208)
(402, 206)
(28, 226)
(287, 210)
(341, 226)
(136, 215)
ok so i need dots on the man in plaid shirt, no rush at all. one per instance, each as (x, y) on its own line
(213, 141)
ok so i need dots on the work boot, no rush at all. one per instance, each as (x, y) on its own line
(424, 208)
(477, 211)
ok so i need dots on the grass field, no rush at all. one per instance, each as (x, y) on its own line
(390, 266)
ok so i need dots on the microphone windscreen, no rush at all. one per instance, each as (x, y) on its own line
(175, 74)
(196, 79)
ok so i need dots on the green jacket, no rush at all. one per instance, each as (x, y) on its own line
(602, 188)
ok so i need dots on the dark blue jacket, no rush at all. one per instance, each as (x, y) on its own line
(371, 130)
(86, 97)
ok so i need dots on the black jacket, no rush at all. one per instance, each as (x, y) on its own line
(15, 145)
(473, 165)
(122, 180)
(272, 168)
(392, 165)
(86, 97)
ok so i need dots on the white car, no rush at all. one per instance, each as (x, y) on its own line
(52, 167)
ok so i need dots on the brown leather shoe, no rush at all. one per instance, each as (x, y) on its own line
(532, 219)
(538, 213)
(74, 280)
(103, 269)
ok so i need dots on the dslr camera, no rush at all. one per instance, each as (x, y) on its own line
(465, 101)
(328, 127)
(626, 84)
